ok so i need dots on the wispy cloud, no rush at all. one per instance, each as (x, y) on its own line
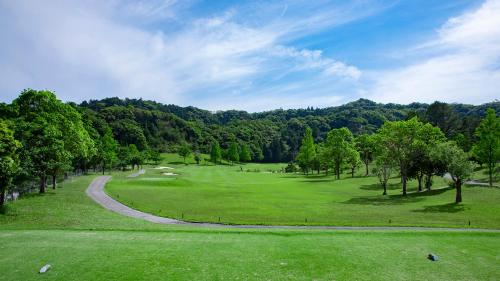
(464, 65)
(249, 55)
(93, 49)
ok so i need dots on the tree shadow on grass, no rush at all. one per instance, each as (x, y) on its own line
(318, 180)
(396, 199)
(445, 208)
(382, 200)
(37, 194)
(378, 186)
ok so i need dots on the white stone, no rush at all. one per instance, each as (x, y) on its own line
(45, 268)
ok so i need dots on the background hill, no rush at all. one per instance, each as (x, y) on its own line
(272, 136)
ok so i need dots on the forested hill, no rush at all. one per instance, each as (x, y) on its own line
(271, 136)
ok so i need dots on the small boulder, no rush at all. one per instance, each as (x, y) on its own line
(433, 257)
(44, 269)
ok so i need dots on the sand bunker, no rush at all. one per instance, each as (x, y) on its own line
(163, 168)
(169, 174)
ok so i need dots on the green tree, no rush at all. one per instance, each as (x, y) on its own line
(52, 132)
(365, 146)
(487, 148)
(353, 160)
(124, 157)
(324, 157)
(307, 151)
(245, 154)
(444, 117)
(421, 164)
(215, 153)
(456, 162)
(339, 142)
(383, 169)
(9, 160)
(184, 151)
(232, 153)
(401, 140)
(107, 150)
(197, 157)
(135, 156)
(43, 149)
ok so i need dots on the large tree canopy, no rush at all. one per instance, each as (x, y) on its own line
(487, 148)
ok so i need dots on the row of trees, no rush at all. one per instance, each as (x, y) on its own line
(42, 138)
(415, 149)
(234, 153)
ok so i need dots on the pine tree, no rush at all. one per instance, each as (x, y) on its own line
(245, 154)
(307, 151)
(215, 153)
(233, 154)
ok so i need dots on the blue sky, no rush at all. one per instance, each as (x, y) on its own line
(253, 55)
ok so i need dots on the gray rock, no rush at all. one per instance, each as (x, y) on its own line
(44, 269)
(433, 257)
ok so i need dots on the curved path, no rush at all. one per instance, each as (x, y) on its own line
(96, 192)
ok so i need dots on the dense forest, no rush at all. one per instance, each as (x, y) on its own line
(271, 136)
(42, 138)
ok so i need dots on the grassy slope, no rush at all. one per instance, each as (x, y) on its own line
(82, 241)
(211, 255)
(205, 193)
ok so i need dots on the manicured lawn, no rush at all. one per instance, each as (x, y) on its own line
(83, 241)
(263, 255)
(66, 208)
(258, 196)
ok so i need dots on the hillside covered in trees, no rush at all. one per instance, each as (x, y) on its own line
(271, 136)
(42, 138)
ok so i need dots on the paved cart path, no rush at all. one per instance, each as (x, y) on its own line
(96, 192)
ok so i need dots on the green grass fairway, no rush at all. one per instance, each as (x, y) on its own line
(83, 241)
(212, 255)
(256, 196)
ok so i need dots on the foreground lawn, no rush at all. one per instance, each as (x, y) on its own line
(257, 196)
(263, 255)
(83, 241)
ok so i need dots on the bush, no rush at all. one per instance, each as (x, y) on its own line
(291, 168)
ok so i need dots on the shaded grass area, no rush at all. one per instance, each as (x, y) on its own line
(259, 196)
(121, 255)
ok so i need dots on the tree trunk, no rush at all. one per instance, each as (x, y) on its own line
(366, 164)
(42, 184)
(385, 188)
(490, 172)
(352, 172)
(103, 167)
(54, 181)
(458, 186)
(2, 196)
(419, 177)
(404, 184)
(428, 182)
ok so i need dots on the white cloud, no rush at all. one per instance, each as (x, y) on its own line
(313, 60)
(465, 66)
(96, 49)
